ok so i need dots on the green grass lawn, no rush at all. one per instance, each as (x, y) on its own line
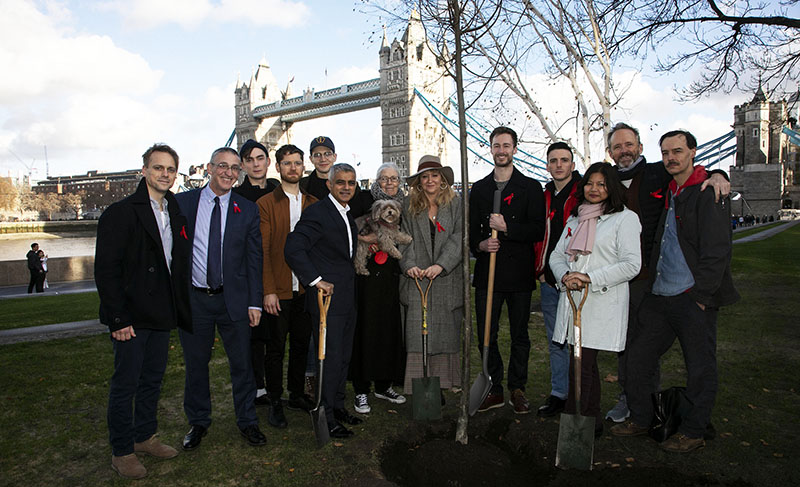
(54, 394)
(45, 310)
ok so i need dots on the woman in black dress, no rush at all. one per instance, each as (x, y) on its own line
(378, 353)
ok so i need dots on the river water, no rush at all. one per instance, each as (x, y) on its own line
(14, 246)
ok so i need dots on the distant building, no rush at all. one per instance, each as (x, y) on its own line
(101, 189)
(767, 170)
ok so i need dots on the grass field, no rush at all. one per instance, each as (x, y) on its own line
(52, 409)
(45, 310)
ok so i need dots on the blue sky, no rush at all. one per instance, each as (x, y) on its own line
(98, 82)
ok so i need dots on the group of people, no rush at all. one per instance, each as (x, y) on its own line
(37, 265)
(250, 262)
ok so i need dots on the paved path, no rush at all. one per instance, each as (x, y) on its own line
(93, 327)
(766, 233)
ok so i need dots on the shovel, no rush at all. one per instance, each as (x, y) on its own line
(483, 383)
(318, 418)
(425, 391)
(576, 432)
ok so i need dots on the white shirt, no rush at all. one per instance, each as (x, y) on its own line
(164, 228)
(201, 226)
(295, 209)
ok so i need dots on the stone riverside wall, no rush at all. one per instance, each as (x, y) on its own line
(15, 272)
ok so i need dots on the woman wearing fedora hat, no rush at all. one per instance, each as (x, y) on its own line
(432, 216)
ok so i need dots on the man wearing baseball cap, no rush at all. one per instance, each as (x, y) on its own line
(322, 153)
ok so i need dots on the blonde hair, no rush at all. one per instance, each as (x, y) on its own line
(418, 202)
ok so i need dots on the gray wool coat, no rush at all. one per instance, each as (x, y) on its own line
(445, 299)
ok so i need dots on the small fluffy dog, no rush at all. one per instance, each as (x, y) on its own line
(384, 221)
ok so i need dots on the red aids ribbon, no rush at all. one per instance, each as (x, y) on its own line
(381, 257)
(236, 208)
(551, 215)
(569, 232)
(508, 198)
(657, 194)
(183, 233)
(439, 227)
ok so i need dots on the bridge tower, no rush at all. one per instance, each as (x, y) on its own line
(262, 89)
(409, 131)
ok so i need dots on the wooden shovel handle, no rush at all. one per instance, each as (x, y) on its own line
(324, 302)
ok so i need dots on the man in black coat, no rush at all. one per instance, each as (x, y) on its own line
(36, 269)
(142, 276)
(519, 224)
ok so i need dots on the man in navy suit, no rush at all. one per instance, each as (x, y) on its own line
(320, 253)
(226, 292)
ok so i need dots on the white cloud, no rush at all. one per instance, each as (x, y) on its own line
(148, 14)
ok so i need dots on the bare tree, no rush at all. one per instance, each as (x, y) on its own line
(8, 194)
(48, 203)
(734, 41)
(73, 202)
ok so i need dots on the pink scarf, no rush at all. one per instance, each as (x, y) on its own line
(583, 240)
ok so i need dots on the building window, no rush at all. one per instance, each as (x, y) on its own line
(755, 132)
(397, 139)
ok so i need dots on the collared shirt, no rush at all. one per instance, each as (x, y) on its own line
(673, 275)
(295, 209)
(343, 212)
(201, 226)
(164, 228)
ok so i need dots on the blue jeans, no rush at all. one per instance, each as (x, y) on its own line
(559, 352)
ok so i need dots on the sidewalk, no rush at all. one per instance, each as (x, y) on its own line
(66, 287)
(766, 233)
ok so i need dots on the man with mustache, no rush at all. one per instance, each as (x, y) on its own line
(284, 296)
(646, 187)
(690, 279)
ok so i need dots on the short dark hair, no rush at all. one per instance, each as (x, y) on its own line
(34, 244)
(622, 126)
(159, 148)
(616, 192)
(221, 150)
(691, 141)
(285, 150)
(560, 145)
(503, 130)
(337, 168)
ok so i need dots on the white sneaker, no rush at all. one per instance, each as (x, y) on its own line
(361, 405)
(620, 411)
(391, 396)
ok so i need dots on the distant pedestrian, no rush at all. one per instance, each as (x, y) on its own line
(43, 260)
(35, 268)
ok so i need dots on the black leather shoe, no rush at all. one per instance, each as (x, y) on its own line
(551, 407)
(339, 431)
(300, 403)
(194, 436)
(276, 417)
(253, 435)
(262, 400)
(344, 416)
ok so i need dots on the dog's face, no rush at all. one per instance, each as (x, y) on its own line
(387, 211)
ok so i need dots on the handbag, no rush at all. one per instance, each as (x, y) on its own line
(669, 406)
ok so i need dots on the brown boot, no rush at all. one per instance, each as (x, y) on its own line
(155, 448)
(128, 466)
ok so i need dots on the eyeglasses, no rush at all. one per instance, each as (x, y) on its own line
(291, 163)
(389, 179)
(320, 155)
(224, 166)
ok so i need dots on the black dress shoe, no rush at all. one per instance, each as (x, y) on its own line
(344, 416)
(194, 436)
(339, 431)
(253, 435)
(276, 417)
(262, 400)
(551, 407)
(300, 403)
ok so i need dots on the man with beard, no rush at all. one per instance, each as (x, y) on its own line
(646, 188)
(284, 296)
(519, 224)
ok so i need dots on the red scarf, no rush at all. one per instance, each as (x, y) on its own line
(698, 176)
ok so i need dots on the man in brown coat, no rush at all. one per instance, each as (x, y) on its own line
(283, 294)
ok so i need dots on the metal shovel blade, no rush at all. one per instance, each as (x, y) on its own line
(320, 423)
(426, 399)
(575, 442)
(478, 392)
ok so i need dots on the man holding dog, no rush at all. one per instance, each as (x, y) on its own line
(320, 252)
(284, 296)
(519, 224)
(690, 278)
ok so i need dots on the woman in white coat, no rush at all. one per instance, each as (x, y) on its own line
(599, 248)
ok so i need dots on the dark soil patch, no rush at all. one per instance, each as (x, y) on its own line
(508, 450)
